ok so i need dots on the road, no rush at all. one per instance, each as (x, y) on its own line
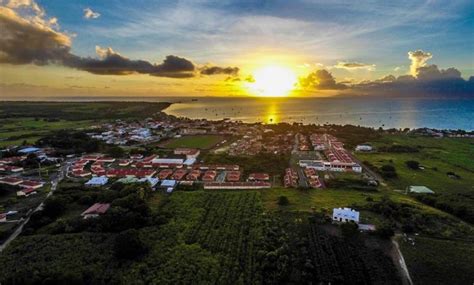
(400, 262)
(54, 184)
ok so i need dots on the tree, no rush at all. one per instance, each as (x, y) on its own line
(413, 164)
(53, 207)
(128, 245)
(349, 229)
(115, 151)
(385, 230)
(283, 201)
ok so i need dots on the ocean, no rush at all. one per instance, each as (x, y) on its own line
(364, 111)
(369, 112)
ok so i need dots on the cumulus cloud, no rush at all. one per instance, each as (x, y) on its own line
(322, 80)
(418, 59)
(211, 70)
(35, 39)
(354, 65)
(30, 40)
(430, 81)
(89, 14)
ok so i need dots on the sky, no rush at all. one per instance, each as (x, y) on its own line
(235, 48)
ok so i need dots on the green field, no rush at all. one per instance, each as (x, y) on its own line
(437, 261)
(437, 156)
(199, 141)
(30, 121)
(16, 131)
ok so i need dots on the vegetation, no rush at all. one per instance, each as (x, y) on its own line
(79, 111)
(198, 141)
(439, 261)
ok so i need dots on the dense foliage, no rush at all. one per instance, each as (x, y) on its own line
(68, 142)
(193, 237)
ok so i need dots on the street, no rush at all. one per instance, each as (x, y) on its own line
(54, 184)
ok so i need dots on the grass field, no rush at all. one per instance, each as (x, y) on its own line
(436, 261)
(437, 156)
(15, 131)
(200, 141)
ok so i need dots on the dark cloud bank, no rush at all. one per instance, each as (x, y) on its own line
(426, 79)
(26, 41)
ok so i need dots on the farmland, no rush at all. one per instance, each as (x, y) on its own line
(431, 261)
(198, 141)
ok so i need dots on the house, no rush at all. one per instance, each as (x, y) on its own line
(124, 162)
(169, 185)
(97, 181)
(167, 161)
(31, 184)
(13, 168)
(113, 172)
(25, 192)
(81, 173)
(188, 152)
(152, 181)
(95, 210)
(259, 177)
(233, 176)
(420, 190)
(12, 181)
(28, 150)
(237, 185)
(345, 215)
(364, 147)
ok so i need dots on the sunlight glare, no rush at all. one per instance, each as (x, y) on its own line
(273, 81)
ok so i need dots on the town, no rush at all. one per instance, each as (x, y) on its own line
(337, 173)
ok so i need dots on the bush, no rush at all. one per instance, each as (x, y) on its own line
(385, 230)
(388, 171)
(349, 229)
(413, 164)
(283, 201)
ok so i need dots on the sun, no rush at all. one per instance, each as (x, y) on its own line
(272, 81)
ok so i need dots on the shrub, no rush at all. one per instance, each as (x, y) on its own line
(413, 164)
(283, 201)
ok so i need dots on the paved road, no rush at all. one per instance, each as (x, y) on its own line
(54, 184)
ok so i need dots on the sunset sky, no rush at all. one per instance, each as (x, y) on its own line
(232, 48)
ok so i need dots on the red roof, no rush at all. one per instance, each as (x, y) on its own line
(96, 209)
(11, 180)
(259, 176)
(30, 183)
(113, 172)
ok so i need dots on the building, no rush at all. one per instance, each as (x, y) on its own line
(345, 215)
(31, 184)
(364, 147)
(237, 185)
(25, 192)
(259, 177)
(28, 150)
(169, 185)
(188, 152)
(420, 190)
(97, 181)
(167, 161)
(95, 210)
(12, 181)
